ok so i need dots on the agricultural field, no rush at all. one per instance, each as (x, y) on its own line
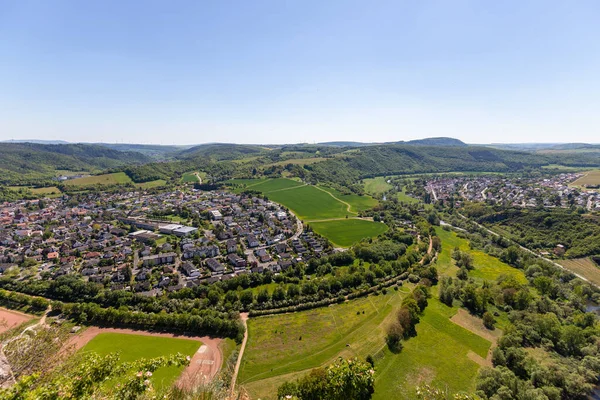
(591, 178)
(486, 267)
(51, 191)
(310, 203)
(585, 267)
(117, 178)
(357, 203)
(376, 185)
(192, 177)
(330, 213)
(402, 196)
(134, 347)
(346, 232)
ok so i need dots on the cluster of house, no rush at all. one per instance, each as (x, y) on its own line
(118, 240)
(556, 191)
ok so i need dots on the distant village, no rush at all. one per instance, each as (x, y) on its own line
(550, 192)
(151, 243)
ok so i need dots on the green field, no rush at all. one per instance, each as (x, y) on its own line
(285, 347)
(151, 184)
(51, 191)
(134, 347)
(116, 178)
(438, 355)
(323, 208)
(376, 185)
(346, 232)
(591, 178)
(310, 203)
(486, 266)
(357, 203)
(281, 346)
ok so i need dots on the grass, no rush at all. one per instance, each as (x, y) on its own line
(116, 178)
(322, 207)
(298, 161)
(357, 203)
(151, 184)
(346, 232)
(294, 343)
(437, 355)
(310, 203)
(402, 196)
(486, 267)
(134, 347)
(272, 185)
(189, 177)
(591, 178)
(376, 185)
(51, 191)
(584, 267)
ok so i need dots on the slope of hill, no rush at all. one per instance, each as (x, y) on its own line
(437, 141)
(22, 163)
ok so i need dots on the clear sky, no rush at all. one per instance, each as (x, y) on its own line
(253, 71)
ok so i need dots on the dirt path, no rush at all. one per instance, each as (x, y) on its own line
(244, 317)
(204, 365)
(348, 207)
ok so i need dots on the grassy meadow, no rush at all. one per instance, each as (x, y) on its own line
(486, 267)
(591, 178)
(584, 267)
(346, 232)
(134, 347)
(117, 178)
(376, 185)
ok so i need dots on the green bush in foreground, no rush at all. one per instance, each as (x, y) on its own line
(342, 380)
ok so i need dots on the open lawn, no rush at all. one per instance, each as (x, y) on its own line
(294, 343)
(591, 178)
(437, 355)
(376, 185)
(134, 347)
(51, 191)
(486, 266)
(105, 179)
(346, 232)
(584, 267)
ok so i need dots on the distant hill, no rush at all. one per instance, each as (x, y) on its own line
(346, 144)
(155, 151)
(436, 141)
(222, 151)
(22, 163)
(35, 141)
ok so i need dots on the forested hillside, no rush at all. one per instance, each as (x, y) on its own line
(22, 163)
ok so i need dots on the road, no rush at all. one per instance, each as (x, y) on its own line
(530, 251)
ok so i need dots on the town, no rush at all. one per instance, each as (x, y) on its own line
(554, 191)
(146, 242)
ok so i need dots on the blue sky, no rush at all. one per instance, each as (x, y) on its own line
(183, 72)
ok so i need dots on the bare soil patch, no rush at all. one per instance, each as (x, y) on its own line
(204, 365)
(10, 319)
(471, 323)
